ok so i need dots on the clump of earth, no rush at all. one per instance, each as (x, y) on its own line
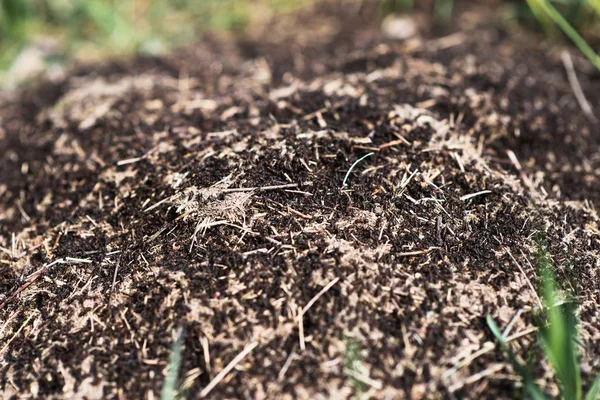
(318, 210)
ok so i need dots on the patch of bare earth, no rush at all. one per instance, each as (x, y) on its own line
(205, 191)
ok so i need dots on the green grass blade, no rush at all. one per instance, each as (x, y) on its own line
(558, 339)
(14, 15)
(530, 387)
(543, 18)
(566, 27)
(443, 10)
(594, 392)
(352, 360)
(495, 330)
(169, 390)
(595, 5)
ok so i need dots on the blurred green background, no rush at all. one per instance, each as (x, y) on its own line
(94, 29)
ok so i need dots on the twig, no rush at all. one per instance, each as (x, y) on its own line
(129, 161)
(17, 333)
(317, 296)
(393, 143)
(22, 211)
(416, 252)
(300, 317)
(511, 323)
(363, 378)
(579, 95)
(30, 281)
(170, 198)
(227, 369)
(475, 377)
(78, 260)
(260, 189)
(301, 333)
(470, 196)
(114, 281)
(526, 279)
(287, 364)
(486, 348)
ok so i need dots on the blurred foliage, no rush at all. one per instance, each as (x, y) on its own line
(578, 20)
(549, 16)
(99, 28)
(583, 15)
(557, 326)
(96, 28)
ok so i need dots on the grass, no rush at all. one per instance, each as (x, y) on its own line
(557, 337)
(575, 18)
(546, 12)
(99, 28)
(352, 364)
(170, 389)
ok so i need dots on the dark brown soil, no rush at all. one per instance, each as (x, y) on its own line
(204, 191)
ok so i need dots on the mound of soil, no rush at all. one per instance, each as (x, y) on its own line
(317, 210)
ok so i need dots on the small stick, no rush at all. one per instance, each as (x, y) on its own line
(30, 281)
(171, 198)
(22, 211)
(574, 82)
(312, 301)
(78, 260)
(301, 332)
(114, 281)
(129, 161)
(512, 322)
(475, 377)
(486, 348)
(16, 334)
(317, 296)
(298, 213)
(227, 369)
(364, 379)
(260, 189)
(470, 196)
(526, 278)
(206, 352)
(416, 252)
(393, 143)
(286, 365)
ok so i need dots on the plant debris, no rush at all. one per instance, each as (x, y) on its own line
(203, 191)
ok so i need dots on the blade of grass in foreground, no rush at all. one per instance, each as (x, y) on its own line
(567, 29)
(169, 389)
(594, 390)
(442, 12)
(530, 386)
(558, 337)
(595, 5)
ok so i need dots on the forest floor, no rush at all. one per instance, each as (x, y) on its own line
(322, 210)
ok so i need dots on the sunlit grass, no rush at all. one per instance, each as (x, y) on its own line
(99, 28)
(170, 388)
(546, 12)
(557, 335)
(352, 364)
(574, 18)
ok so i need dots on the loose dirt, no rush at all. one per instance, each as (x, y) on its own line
(204, 191)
